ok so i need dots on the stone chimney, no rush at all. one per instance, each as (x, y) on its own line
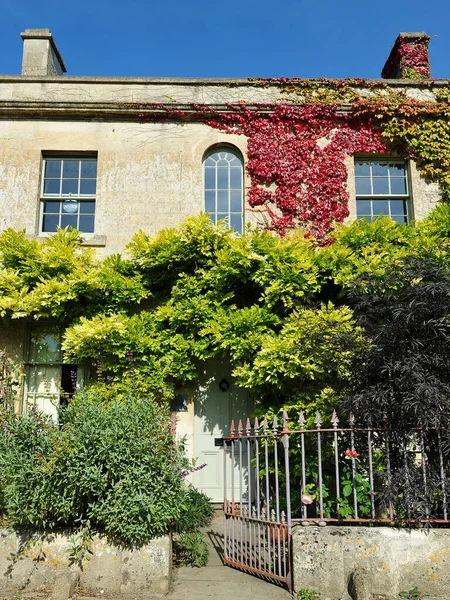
(409, 57)
(41, 57)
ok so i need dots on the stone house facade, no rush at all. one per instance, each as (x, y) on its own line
(76, 151)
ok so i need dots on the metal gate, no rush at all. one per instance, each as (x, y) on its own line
(257, 504)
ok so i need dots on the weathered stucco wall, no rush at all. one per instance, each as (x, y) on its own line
(30, 563)
(149, 175)
(390, 560)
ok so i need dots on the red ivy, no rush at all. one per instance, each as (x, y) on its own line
(414, 56)
(296, 161)
(296, 158)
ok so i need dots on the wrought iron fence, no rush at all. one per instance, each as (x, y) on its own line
(314, 470)
(332, 471)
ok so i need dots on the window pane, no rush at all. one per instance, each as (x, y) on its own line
(399, 219)
(381, 207)
(398, 186)
(52, 168)
(88, 187)
(223, 187)
(87, 208)
(380, 185)
(210, 202)
(235, 178)
(71, 169)
(236, 222)
(363, 207)
(89, 168)
(362, 169)
(44, 347)
(363, 186)
(50, 222)
(52, 186)
(222, 178)
(52, 207)
(222, 201)
(236, 201)
(86, 223)
(379, 169)
(70, 186)
(69, 221)
(210, 178)
(397, 170)
(398, 207)
(43, 380)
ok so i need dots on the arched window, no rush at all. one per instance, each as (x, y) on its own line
(222, 176)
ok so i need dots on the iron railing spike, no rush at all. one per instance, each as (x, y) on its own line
(285, 421)
(301, 420)
(318, 420)
(334, 419)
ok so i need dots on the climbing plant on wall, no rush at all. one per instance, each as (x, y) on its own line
(298, 146)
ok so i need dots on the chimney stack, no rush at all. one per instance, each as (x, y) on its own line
(409, 57)
(41, 57)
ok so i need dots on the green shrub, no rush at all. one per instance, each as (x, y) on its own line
(191, 548)
(196, 511)
(114, 466)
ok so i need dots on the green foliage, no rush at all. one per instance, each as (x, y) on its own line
(307, 594)
(190, 548)
(314, 348)
(59, 279)
(80, 549)
(274, 307)
(412, 594)
(196, 511)
(113, 465)
(189, 542)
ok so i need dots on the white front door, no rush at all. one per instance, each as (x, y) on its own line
(217, 400)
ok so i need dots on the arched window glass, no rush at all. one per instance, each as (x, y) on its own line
(222, 171)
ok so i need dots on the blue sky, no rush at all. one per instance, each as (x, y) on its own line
(247, 38)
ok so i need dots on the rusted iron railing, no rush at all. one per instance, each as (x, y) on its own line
(319, 470)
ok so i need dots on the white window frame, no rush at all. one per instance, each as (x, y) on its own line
(47, 394)
(217, 214)
(406, 197)
(76, 199)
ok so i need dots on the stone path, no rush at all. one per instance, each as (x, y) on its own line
(221, 582)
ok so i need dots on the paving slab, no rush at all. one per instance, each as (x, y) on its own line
(219, 581)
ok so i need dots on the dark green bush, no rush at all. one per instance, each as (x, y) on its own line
(191, 549)
(196, 511)
(115, 467)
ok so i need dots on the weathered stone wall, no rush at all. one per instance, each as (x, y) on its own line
(391, 560)
(31, 563)
(149, 175)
